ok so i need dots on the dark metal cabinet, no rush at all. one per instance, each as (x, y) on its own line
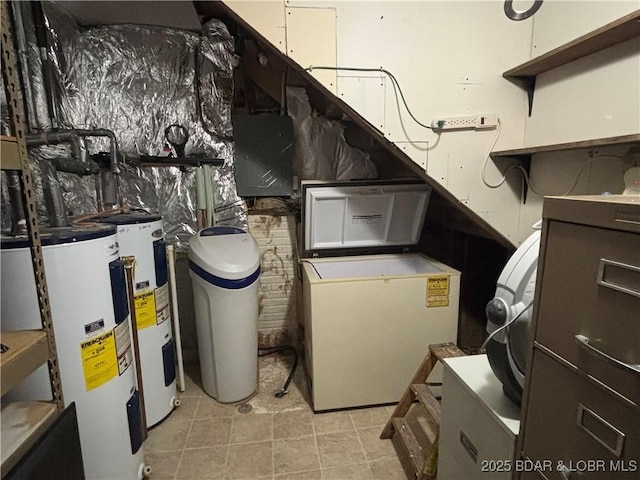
(581, 408)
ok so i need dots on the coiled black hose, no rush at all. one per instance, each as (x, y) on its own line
(284, 348)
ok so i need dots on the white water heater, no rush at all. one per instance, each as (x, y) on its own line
(91, 322)
(141, 235)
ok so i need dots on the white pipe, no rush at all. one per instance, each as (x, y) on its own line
(208, 186)
(175, 316)
(214, 193)
(201, 201)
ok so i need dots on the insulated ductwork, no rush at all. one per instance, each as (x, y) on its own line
(135, 80)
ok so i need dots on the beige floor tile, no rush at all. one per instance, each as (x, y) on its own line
(203, 464)
(374, 447)
(209, 408)
(392, 469)
(185, 412)
(267, 402)
(250, 461)
(338, 449)
(251, 427)
(295, 455)
(349, 472)
(331, 422)
(370, 417)
(163, 465)
(292, 423)
(209, 432)
(168, 437)
(313, 475)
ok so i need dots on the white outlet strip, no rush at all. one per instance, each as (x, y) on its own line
(471, 122)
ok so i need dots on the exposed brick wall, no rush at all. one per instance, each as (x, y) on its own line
(276, 237)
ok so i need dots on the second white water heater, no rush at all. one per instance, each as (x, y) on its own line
(141, 235)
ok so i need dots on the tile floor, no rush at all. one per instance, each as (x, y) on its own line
(278, 439)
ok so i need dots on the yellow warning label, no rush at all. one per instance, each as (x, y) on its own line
(145, 310)
(99, 360)
(438, 291)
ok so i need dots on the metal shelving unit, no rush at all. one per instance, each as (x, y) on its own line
(24, 422)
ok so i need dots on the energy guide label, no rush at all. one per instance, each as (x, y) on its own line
(163, 312)
(123, 346)
(145, 310)
(99, 360)
(438, 291)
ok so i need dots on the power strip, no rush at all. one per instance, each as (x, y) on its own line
(471, 122)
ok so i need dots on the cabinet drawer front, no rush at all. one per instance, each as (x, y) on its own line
(589, 303)
(480, 445)
(570, 420)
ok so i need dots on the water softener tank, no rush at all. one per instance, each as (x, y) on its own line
(140, 235)
(91, 323)
(224, 266)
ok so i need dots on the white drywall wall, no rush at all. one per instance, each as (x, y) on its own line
(448, 57)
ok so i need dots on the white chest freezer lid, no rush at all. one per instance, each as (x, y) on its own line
(363, 215)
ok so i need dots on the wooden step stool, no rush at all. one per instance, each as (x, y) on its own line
(424, 464)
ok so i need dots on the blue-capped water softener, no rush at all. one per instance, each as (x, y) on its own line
(224, 265)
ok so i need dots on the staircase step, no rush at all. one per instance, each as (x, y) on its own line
(426, 398)
(416, 453)
(446, 350)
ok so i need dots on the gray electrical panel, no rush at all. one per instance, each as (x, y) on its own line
(263, 155)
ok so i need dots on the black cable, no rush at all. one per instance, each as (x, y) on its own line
(394, 82)
(314, 267)
(271, 350)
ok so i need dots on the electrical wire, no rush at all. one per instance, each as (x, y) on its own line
(393, 79)
(486, 160)
(506, 325)
(576, 180)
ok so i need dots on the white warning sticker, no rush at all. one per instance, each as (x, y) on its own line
(123, 346)
(163, 312)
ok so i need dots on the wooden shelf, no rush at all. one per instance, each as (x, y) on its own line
(526, 153)
(22, 425)
(28, 349)
(613, 33)
(10, 158)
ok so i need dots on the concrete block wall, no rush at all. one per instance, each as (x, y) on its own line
(276, 236)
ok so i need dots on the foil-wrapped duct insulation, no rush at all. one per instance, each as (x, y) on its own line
(136, 80)
(322, 152)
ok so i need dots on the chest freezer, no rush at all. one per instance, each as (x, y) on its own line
(369, 318)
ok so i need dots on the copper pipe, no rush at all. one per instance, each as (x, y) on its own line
(129, 265)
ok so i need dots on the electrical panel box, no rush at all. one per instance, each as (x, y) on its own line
(263, 155)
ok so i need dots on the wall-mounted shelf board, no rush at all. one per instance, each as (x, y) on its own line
(10, 158)
(526, 153)
(22, 425)
(28, 349)
(613, 33)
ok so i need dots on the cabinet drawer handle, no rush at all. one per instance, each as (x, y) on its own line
(602, 267)
(469, 447)
(598, 422)
(583, 342)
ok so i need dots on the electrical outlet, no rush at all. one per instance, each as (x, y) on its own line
(471, 122)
